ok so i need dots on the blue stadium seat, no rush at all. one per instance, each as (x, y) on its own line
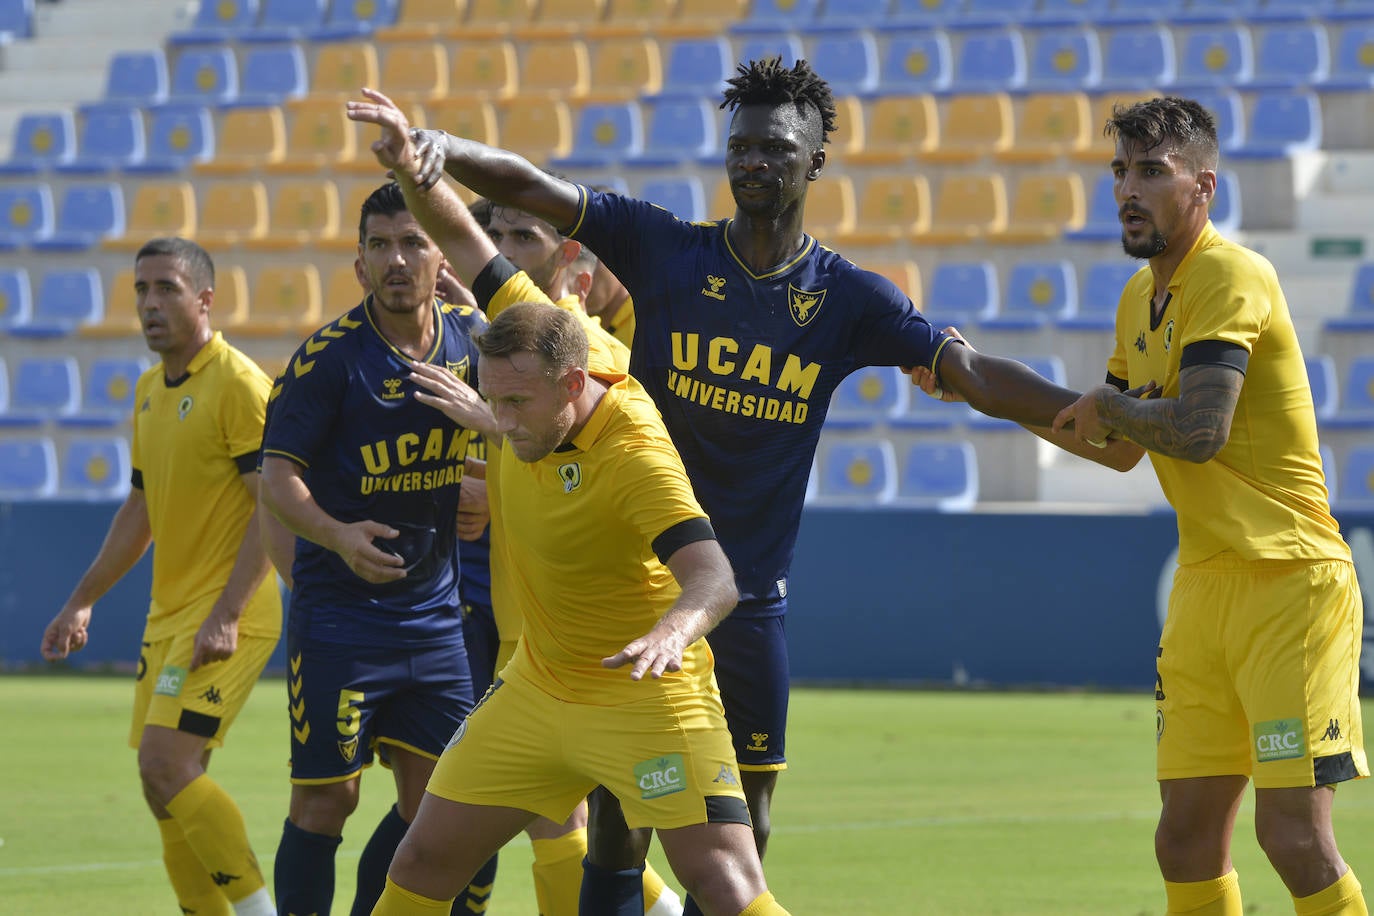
(178, 136)
(107, 394)
(65, 300)
(680, 130)
(868, 396)
(1290, 10)
(43, 388)
(851, 61)
(95, 467)
(272, 74)
(1104, 220)
(938, 475)
(850, 14)
(1357, 393)
(1352, 64)
(1359, 313)
(137, 78)
(1038, 293)
(217, 21)
(697, 68)
(923, 14)
(1064, 60)
(89, 213)
(682, 196)
(926, 414)
(1350, 9)
(26, 214)
(41, 141)
(961, 293)
(1100, 294)
(28, 467)
(16, 19)
(1071, 12)
(762, 45)
(1321, 376)
(978, 13)
(1281, 123)
(1357, 479)
(1229, 112)
(16, 307)
(205, 76)
(287, 20)
(776, 15)
(990, 60)
(1213, 11)
(1136, 12)
(112, 139)
(856, 472)
(348, 19)
(915, 62)
(1291, 55)
(1226, 210)
(1137, 57)
(604, 135)
(1215, 56)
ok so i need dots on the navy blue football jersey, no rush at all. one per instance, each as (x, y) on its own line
(345, 411)
(743, 365)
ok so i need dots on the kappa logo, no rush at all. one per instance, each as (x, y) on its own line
(571, 475)
(169, 681)
(146, 406)
(726, 776)
(1140, 342)
(184, 407)
(803, 304)
(1168, 335)
(393, 390)
(1333, 731)
(212, 695)
(1278, 739)
(713, 287)
(222, 878)
(758, 741)
(349, 749)
(660, 776)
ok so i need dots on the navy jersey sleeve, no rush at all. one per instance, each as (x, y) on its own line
(303, 410)
(619, 230)
(891, 332)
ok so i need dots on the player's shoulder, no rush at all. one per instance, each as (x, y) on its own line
(337, 340)
(1233, 262)
(464, 318)
(637, 420)
(241, 365)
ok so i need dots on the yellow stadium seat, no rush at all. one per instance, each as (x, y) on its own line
(121, 311)
(898, 128)
(1051, 125)
(364, 161)
(892, 208)
(158, 208)
(722, 201)
(555, 67)
(624, 69)
(496, 18)
(231, 212)
(286, 300)
(701, 18)
(554, 18)
(414, 71)
(974, 126)
(248, 138)
(537, 128)
(483, 69)
(634, 17)
(341, 67)
(302, 212)
(905, 274)
(967, 208)
(829, 206)
(1043, 207)
(849, 130)
(319, 136)
(420, 19)
(342, 290)
(1099, 149)
(231, 297)
(464, 116)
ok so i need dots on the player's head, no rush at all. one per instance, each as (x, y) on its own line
(782, 119)
(174, 288)
(533, 371)
(397, 260)
(534, 246)
(1165, 172)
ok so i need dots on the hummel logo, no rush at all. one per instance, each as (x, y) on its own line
(1140, 342)
(211, 695)
(1333, 731)
(222, 878)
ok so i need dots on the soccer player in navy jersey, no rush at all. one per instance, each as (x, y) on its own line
(744, 328)
(368, 478)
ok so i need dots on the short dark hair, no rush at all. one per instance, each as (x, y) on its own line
(553, 334)
(385, 201)
(1169, 120)
(481, 211)
(768, 82)
(195, 260)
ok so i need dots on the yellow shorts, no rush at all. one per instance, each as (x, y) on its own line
(1258, 674)
(203, 702)
(668, 760)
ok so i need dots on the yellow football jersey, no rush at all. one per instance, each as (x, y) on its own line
(1263, 496)
(192, 439)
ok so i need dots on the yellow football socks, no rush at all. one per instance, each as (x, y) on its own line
(764, 905)
(397, 901)
(1344, 898)
(656, 890)
(196, 893)
(558, 872)
(1217, 897)
(213, 826)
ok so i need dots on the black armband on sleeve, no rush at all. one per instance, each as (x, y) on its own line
(1215, 353)
(491, 278)
(1120, 384)
(247, 463)
(136, 479)
(680, 535)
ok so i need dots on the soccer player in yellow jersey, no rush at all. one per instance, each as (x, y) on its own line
(1258, 660)
(215, 613)
(585, 457)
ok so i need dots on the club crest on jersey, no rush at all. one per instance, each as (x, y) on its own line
(459, 368)
(349, 749)
(1168, 335)
(393, 390)
(184, 407)
(571, 475)
(713, 287)
(804, 304)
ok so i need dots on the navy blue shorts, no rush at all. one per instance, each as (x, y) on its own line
(753, 674)
(349, 702)
(483, 644)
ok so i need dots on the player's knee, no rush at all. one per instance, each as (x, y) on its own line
(324, 808)
(1288, 840)
(1180, 847)
(164, 775)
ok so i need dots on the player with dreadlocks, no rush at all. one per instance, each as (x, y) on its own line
(745, 326)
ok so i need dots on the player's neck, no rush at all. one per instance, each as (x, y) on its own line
(175, 363)
(410, 332)
(762, 243)
(1163, 265)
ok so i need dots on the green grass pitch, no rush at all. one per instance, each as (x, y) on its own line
(930, 804)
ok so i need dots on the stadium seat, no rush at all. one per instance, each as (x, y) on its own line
(95, 468)
(851, 61)
(273, 74)
(28, 467)
(605, 135)
(249, 139)
(777, 16)
(1071, 12)
(352, 19)
(892, 208)
(682, 196)
(973, 127)
(418, 20)
(926, 414)
(484, 69)
(1133, 12)
(1352, 64)
(1226, 210)
(1228, 111)
(1357, 479)
(1193, 12)
(121, 312)
(679, 131)
(1100, 148)
(26, 214)
(830, 208)
(42, 388)
(466, 116)
(159, 208)
(136, 78)
(287, 20)
(867, 397)
(968, 206)
(962, 293)
(1272, 10)
(1357, 392)
(16, 303)
(762, 45)
(319, 135)
(1215, 56)
(231, 297)
(1064, 60)
(340, 67)
(922, 14)
(1051, 125)
(218, 21)
(42, 140)
(937, 475)
(178, 136)
(111, 139)
(300, 212)
(539, 129)
(1291, 55)
(341, 289)
(905, 275)
(990, 61)
(916, 62)
(488, 19)
(1137, 56)
(88, 214)
(107, 394)
(856, 472)
(1038, 293)
(898, 129)
(1281, 123)
(563, 19)
(697, 68)
(1043, 207)
(1099, 295)
(984, 13)
(848, 135)
(64, 300)
(285, 300)
(844, 15)
(1359, 312)
(205, 76)
(1103, 222)
(624, 69)
(1321, 376)
(415, 71)
(231, 212)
